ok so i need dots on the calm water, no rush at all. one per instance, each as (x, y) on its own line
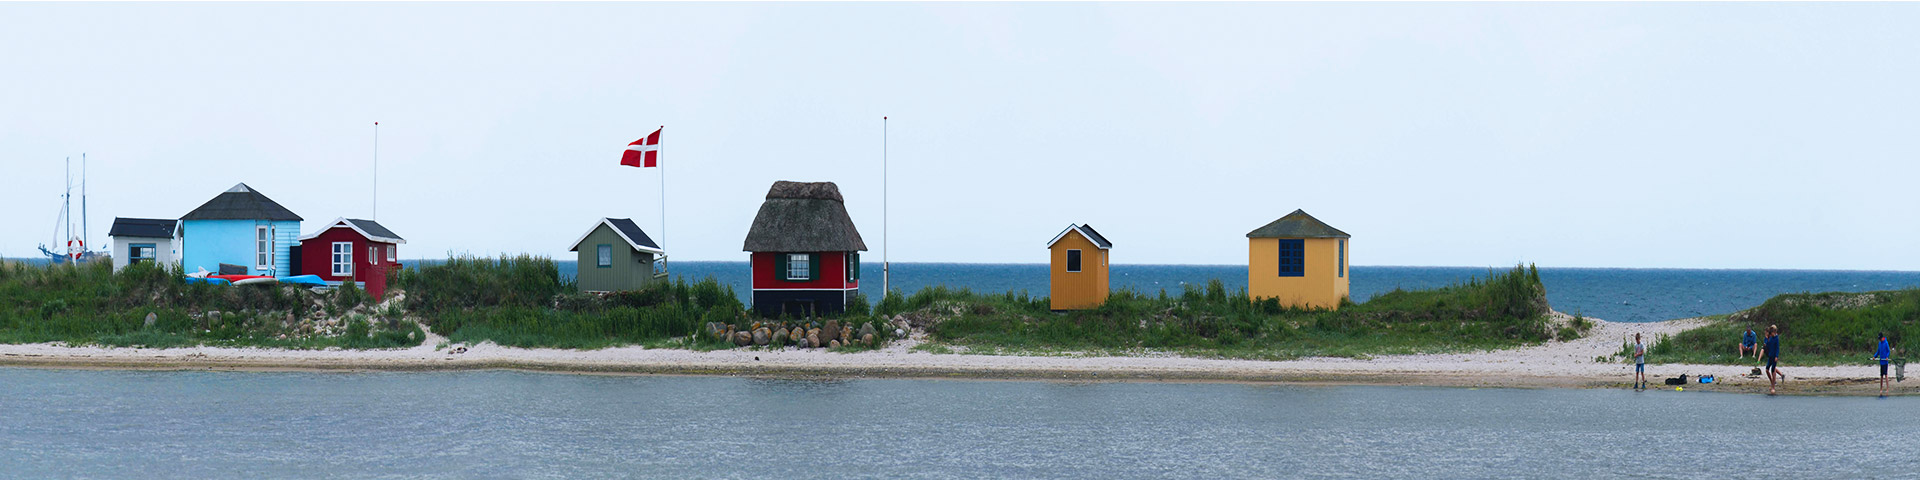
(1630, 295)
(497, 424)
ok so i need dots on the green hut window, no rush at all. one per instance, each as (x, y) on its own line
(799, 266)
(606, 256)
(1293, 257)
(853, 265)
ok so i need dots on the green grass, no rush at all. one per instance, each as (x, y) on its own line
(1505, 309)
(522, 302)
(90, 304)
(1815, 329)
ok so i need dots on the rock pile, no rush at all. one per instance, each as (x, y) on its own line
(798, 334)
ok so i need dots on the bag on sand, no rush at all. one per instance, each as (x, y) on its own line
(1681, 380)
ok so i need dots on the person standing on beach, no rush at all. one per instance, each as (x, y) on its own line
(1884, 354)
(1639, 363)
(1772, 353)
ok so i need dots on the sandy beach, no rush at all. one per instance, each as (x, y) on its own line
(1551, 365)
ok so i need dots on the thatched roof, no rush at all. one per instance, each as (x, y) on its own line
(1297, 225)
(803, 217)
(241, 203)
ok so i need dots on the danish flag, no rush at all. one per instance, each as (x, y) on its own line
(643, 153)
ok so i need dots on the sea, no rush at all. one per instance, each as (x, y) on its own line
(509, 424)
(1613, 294)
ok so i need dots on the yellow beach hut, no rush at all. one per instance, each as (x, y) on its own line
(1079, 268)
(1299, 260)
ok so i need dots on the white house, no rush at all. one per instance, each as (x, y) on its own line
(143, 240)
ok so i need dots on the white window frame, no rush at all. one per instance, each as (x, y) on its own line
(604, 254)
(391, 255)
(373, 254)
(262, 247)
(342, 257)
(802, 261)
(1069, 261)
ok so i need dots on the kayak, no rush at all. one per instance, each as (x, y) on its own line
(209, 281)
(257, 281)
(238, 278)
(305, 280)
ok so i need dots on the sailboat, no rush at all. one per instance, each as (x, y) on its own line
(76, 248)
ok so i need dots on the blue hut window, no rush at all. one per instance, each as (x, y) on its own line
(1343, 258)
(139, 252)
(606, 256)
(1293, 257)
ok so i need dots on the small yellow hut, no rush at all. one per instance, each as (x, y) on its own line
(1079, 268)
(1299, 260)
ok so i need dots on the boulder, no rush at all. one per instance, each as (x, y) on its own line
(833, 344)
(867, 339)
(742, 338)
(779, 337)
(762, 336)
(831, 332)
(150, 319)
(813, 339)
(866, 330)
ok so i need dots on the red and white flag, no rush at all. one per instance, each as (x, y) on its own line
(643, 153)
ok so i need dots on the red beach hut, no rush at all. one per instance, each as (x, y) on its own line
(351, 250)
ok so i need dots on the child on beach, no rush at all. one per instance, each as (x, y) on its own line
(1772, 353)
(1749, 343)
(1639, 363)
(1884, 354)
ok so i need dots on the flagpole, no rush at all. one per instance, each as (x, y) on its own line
(663, 204)
(886, 267)
(376, 172)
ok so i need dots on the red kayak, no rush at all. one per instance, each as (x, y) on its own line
(238, 278)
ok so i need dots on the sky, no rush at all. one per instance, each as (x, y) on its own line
(1717, 135)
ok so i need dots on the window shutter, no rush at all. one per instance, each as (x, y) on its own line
(780, 266)
(853, 265)
(813, 266)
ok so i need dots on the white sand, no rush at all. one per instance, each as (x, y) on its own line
(1552, 364)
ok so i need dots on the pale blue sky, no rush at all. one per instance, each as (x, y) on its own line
(1602, 135)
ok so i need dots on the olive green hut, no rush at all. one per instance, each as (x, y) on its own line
(614, 256)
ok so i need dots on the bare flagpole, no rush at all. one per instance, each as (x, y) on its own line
(886, 267)
(663, 203)
(376, 172)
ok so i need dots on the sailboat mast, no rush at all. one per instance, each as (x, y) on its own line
(83, 202)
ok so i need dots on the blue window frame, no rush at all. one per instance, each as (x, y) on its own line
(1343, 258)
(1293, 257)
(139, 252)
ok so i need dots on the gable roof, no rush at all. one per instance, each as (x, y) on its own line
(241, 203)
(366, 228)
(1085, 231)
(141, 227)
(1297, 225)
(803, 217)
(627, 230)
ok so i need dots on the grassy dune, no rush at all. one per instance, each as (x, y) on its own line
(1505, 309)
(1816, 329)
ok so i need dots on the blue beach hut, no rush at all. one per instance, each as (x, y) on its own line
(241, 229)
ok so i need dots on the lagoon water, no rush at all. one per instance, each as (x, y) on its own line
(501, 424)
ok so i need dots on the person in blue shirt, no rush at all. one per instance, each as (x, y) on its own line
(1749, 343)
(1884, 354)
(1772, 354)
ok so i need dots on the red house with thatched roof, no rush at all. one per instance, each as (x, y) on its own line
(351, 250)
(805, 251)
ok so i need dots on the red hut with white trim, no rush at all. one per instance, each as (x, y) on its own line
(351, 250)
(805, 251)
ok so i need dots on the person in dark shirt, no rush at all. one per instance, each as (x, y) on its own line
(1772, 353)
(1884, 354)
(1749, 343)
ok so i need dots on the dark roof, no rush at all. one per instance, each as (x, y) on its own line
(803, 217)
(626, 229)
(241, 203)
(373, 228)
(141, 227)
(1095, 236)
(1297, 225)
(1086, 231)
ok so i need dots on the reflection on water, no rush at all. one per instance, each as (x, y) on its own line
(513, 424)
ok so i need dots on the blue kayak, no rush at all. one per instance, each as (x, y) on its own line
(305, 280)
(209, 281)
